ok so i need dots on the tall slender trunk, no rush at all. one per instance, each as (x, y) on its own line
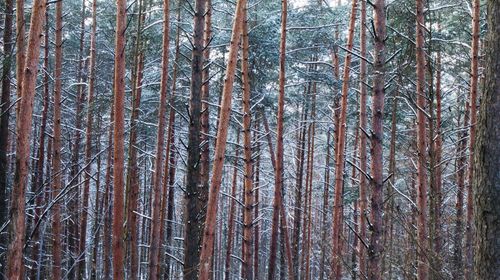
(248, 161)
(324, 214)
(169, 178)
(458, 271)
(132, 179)
(377, 181)
(256, 238)
(363, 197)
(57, 147)
(298, 186)
(469, 230)
(118, 151)
(390, 214)
(336, 272)
(4, 118)
(282, 215)
(220, 146)
(205, 113)
(107, 205)
(88, 145)
(232, 211)
(278, 207)
(38, 182)
(487, 157)
(423, 266)
(154, 271)
(98, 213)
(73, 203)
(28, 75)
(20, 50)
(194, 205)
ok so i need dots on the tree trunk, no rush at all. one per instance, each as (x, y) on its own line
(469, 230)
(24, 122)
(377, 181)
(72, 223)
(38, 182)
(4, 118)
(458, 271)
(423, 268)
(20, 50)
(278, 207)
(486, 180)
(88, 145)
(340, 156)
(248, 161)
(169, 178)
(232, 211)
(298, 187)
(107, 205)
(154, 271)
(326, 202)
(363, 197)
(57, 148)
(220, 146)
(194, 205)
(118, 151)
(256, 239)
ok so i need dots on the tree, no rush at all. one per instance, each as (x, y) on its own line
(474, 77)
(363, 199)
(88, 141)
(487, 158)
(56, 148)
(423, 268)
(118, 151)
(248, 160)
(160, 144)
(278, 208)
(4, 114)
(28, 76)
(336, 272)
(377, 180)
(220, 145)
(194, 194)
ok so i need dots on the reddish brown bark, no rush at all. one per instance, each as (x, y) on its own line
(73, 207)
(247, 272)
(278, 207)
(336, 272)
(107, 199)
(423, 268)
(363, 197)
(132, 180)
(38, 186)
(469, 230)
(220, 146)
(232, 211)
(118, 151)
(326, 198)
(309, 182)
(298, 187)
(88, 145)
(24, 122)
(169, 178)
(56, 159)
(154, 271)
(20, 49)
(205, 113)
(377, 181)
